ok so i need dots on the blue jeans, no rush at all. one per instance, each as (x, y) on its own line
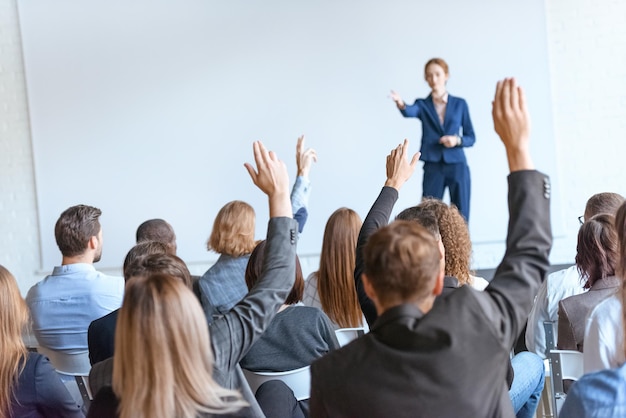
(528, 379)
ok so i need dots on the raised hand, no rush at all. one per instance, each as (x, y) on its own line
(512, 123)
(304, 158)
(271, 177)
(399, 169)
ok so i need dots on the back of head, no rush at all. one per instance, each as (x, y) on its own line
(424, 216)
(157, 230)
(13, 319)
(255, 268)
(163, 362)
(141, 250)
(335, 278)
(75, 227)
(603, 203)
(167, 264)
(402, 262)
(597, 249)
(455, 238)
(233, 230)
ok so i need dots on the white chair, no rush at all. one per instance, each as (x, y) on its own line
(298, 380)
(346, 335)
(69, 364)
(76, 365)
(564, 365)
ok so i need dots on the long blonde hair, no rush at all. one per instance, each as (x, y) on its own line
(13, 319)
(335, 278)
(163, 362)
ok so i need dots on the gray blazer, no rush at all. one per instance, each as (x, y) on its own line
(574, 310)
(233, 334)
(452, 361)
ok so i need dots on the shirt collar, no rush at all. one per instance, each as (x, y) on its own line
(441, 100)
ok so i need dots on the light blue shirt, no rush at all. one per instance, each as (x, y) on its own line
(597, 395)
(63, 305)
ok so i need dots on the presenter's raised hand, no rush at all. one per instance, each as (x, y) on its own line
(399, 169)
(271, 177)
(304, 158)
(396, 98)
(511, 121)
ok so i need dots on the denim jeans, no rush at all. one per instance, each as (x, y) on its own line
(528, 379)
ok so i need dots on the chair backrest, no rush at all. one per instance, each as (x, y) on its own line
(564, 365)
(346, 335)
(69, 364)
(550, 331)
(298, 380)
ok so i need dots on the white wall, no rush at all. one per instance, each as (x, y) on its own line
(587, 74)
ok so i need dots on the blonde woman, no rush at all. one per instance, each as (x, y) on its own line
(163, 361)
(29, 385)
(331, 288)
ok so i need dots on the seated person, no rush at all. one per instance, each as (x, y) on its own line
(563, 283)
(29, 385)
(296, 337)
(331, 288)
(602, 394)
(64, 303)
(101, 332)
(444, 358)
(604, 336)
(232, 237)
(163, 362)
(596, 258)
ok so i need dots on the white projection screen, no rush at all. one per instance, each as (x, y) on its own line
(148, 109)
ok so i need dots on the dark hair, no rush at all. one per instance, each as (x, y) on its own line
(423, 216)
(75, 227)
(597, 252)
(144, 249)
(402, 262)
(157, 230)
(167, 264)
(620, 227)
(255, 268)
(603, 203)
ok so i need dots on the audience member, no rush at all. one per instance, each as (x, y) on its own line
(417, 351)
(29, 385)
(602, 394)
(63, 304)
(563, 283)
(232, 237)
(163, 363)
(596, 258)
(157, 230)
(223, 284)
(296, 336)
(331, 288)
(101, 332)
(456, 242)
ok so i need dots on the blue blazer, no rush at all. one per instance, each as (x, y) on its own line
(456, 122)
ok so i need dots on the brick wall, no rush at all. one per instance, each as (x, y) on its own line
(587, 44)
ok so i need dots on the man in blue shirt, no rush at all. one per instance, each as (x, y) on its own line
(64, 303)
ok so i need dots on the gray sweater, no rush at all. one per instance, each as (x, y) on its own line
(296, 337)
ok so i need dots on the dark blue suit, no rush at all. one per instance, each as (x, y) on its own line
(444, 167)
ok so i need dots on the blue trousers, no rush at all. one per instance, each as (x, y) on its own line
(456, 177)
(528, 380)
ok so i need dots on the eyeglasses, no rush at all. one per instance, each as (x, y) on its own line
(581, 219)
